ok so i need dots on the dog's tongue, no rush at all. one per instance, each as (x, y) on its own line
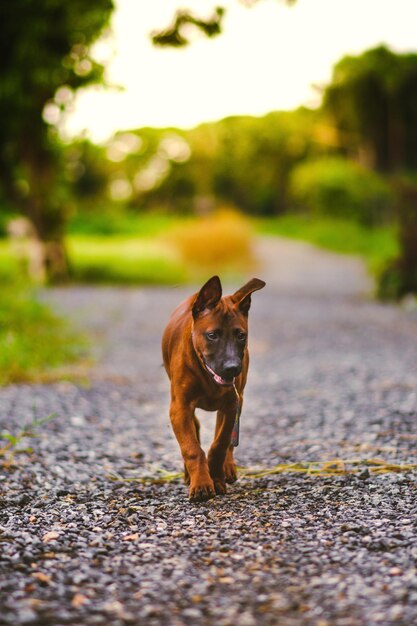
(219, 380)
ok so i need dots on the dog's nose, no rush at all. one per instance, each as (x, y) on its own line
(231, 369)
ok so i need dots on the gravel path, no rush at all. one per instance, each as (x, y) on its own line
(333, 376)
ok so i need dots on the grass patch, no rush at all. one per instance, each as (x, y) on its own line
(151, 250)
(110, 224)
(10, 268)
(167, 251)
(123, 259)
(33, 340)
(376, 245)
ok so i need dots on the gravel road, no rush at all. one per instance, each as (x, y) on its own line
(333, 378)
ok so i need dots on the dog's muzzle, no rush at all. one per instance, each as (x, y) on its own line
(218, 379)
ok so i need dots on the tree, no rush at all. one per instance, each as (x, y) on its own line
(177, 33)
(45, 56)
(373, 101)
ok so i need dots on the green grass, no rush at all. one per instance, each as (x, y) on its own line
(109, 224)
(9, 265)
(33, 341)
(158, 249)
(375, 245)
(123, 259)
(165, 250)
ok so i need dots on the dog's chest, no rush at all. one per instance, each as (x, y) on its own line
(210, 404)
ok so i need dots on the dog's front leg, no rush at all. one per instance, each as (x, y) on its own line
(229, 466)
(220, 456)
(183, 424)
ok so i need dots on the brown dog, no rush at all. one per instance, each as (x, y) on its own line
(206, 358)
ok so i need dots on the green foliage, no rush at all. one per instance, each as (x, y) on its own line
(10, 267)
(124, 259)
(5, 216)
(176, 34)
(45, 46)
(255, 156)
(50, 42)
(164, 251)
(122, 222)
(373, 100)
(45, 57)
(337, 187)
(399, 275)
(243, 161)
(32, 338)
(155, 249)
(262, 165)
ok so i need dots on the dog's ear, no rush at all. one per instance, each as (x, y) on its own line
(242, 297)
(208, 296)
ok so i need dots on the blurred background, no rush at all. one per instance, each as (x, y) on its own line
(156, 142)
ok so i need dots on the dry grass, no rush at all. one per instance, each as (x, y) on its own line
(218, 243)
(335, 467)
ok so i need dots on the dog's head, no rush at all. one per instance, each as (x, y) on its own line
(220, 328)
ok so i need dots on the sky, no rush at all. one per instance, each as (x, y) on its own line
(269, 57)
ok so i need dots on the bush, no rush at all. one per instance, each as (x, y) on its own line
(5, 216)
(217, 243)
(336, 187)
(399, 277)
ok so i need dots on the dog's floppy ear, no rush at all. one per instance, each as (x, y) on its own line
(208, 296)
(242, 297)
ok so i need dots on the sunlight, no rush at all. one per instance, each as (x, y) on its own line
(269, 57)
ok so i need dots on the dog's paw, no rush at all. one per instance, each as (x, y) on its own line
(220, 487)
(230, 472)
(201, 492)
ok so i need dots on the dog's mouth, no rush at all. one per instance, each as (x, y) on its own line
(218, 379)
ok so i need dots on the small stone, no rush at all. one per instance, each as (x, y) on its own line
(395, 571)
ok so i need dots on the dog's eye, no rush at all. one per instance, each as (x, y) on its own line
(212, 336)
(241, 336)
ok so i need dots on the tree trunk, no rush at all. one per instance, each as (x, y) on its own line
(408, 237)
(47, 261)
(47, 256)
